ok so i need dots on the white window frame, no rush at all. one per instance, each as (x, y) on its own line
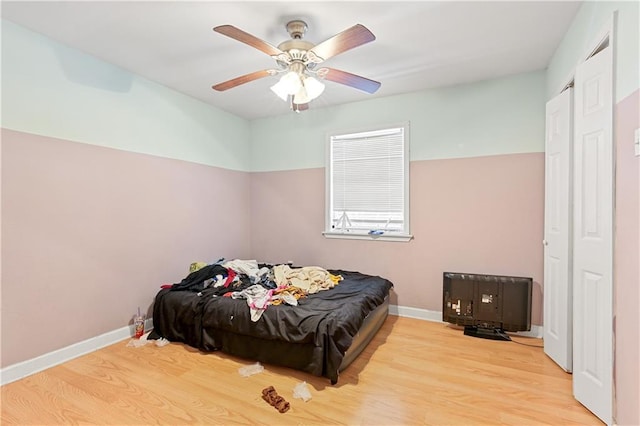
(329, 232)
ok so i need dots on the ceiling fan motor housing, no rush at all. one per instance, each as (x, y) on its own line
(297, 49)
(296, 28)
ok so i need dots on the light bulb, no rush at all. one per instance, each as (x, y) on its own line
(301, 96)
(303, 88)
(280, 90)
(291, 82)
(313, 87)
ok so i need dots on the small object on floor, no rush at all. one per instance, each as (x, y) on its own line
(302, 391)
(162, 342)
(138, 342)
(138, 324)
(250, 370)
(270, 395)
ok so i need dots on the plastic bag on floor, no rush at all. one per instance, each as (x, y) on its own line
(302, 391)
(162, 342)
(250, 370)
(136, 343)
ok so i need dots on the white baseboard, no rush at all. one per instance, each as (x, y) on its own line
(417, 313)
(26, 368)
(536, 331)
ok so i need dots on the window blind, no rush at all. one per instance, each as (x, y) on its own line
(367, 180)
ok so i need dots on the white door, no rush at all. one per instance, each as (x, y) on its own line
(593, 236)
(558, 314)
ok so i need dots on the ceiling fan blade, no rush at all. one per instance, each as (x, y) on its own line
(348, 39)
(346, 78)
(244, 37)
(242, 80)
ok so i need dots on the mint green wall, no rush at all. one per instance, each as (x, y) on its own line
(52, 90)
(492, 117)
(581, 37)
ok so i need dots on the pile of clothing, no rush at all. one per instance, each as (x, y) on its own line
(260, 284)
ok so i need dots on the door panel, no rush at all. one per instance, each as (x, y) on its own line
(557, 230)
(593, 236)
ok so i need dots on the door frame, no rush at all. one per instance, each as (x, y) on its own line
(605, 35)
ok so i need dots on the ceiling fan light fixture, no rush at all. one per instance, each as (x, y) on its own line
(289, 84)
(313, 87)
(302, 97)
(310, 89)
(280, 90)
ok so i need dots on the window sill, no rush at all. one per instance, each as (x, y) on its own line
(365, 236)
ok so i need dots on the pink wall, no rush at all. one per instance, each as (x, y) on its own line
(627, 263)
(89, 234)
(482, 215)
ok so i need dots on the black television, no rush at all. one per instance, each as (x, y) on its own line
(487, 306)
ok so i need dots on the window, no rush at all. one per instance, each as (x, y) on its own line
(368, 184)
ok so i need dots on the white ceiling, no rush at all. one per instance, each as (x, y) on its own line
(418, 45)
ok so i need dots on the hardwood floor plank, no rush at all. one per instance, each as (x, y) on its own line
(412, 372)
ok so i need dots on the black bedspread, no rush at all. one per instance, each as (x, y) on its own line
(312, 336)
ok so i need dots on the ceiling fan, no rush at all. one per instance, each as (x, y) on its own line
(297, 61)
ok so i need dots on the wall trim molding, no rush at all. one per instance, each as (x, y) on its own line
(417, 313)
(537, 331)
(26, 368)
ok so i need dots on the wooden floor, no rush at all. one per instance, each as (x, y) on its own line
(413, 372)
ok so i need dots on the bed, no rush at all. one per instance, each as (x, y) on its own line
(322, 335)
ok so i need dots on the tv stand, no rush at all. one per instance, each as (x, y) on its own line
(486, 333)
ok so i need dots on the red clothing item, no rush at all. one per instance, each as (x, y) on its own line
(231, 275)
